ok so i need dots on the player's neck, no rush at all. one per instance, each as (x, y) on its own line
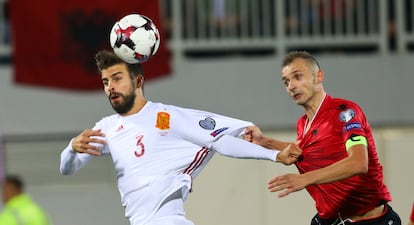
(312, 108)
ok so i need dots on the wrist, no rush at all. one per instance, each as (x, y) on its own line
(277, 155)
(266, 142)
(71, 147)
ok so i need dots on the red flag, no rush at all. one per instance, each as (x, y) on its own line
(54, 41)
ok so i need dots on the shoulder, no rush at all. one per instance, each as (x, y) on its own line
(301, 119)
(346, 109)
(162, 106)
(110, 118)
(107, 121)
(340, 104)
(174, 109)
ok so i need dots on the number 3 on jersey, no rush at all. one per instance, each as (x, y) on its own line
(140, 147)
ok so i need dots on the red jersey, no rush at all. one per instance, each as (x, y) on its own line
(336, 121)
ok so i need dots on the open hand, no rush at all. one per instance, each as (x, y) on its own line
(287, 183)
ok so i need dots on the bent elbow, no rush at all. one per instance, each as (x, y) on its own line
(66, 171)
(364, 170)
(361, 168)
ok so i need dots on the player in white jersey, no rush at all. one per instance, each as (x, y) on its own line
(157, 149)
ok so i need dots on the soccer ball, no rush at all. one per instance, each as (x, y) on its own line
(135, 38)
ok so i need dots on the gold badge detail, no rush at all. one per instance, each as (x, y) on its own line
(163, 121)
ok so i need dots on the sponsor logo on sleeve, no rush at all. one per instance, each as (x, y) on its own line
(352, 126)
(218, 131)
(208, 123)
(163, 121)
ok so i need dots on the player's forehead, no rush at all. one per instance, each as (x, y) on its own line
(298, 65)
(117, 69)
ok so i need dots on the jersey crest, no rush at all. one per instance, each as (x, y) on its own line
(163, 121)
(347, 115)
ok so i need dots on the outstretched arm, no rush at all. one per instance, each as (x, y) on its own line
(238, 148)
(254, 134)
(290, 151)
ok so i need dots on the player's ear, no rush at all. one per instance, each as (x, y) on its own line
(320, 76)
(140, 81)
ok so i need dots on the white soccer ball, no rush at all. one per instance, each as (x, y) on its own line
(135, 38)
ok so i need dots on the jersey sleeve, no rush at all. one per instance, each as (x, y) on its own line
(204, 128)
(238, 148)
(71, 161)
(354, 125)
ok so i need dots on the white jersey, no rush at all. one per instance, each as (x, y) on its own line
(157, 152)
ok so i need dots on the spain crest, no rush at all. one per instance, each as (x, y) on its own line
(163, 121)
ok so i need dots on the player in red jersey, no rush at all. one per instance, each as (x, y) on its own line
(339, 166)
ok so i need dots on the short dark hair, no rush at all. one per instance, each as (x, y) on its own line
(105, 59)
(291, 56)
(15, 180)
